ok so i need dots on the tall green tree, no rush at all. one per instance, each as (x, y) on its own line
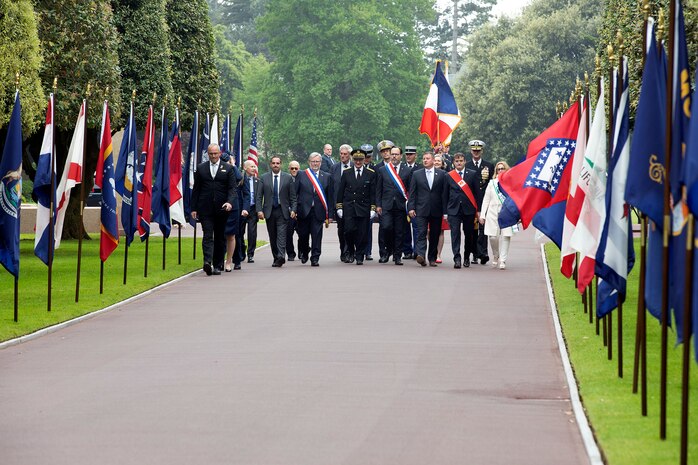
(20, 53)
(194, 72)
(238, 18)
(144, 53)
(516, 70)
(232, 61)
(343, 71)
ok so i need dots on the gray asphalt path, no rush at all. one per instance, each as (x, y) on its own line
(339, 364)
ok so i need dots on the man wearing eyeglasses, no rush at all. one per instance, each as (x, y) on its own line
(485, 171)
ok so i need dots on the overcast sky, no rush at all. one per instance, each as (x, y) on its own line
(507, 7)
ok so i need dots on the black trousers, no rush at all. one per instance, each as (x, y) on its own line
(310, 228)
(291, 227)
(213, 242)
(408, 235)
(393, 225)
(355, 233)
(456, 222)
(480, 250)
(276, 227)
(432, 224)
(342, 239)
(250, 224)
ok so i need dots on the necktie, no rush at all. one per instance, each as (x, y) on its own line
(477, 164)
(276, 191)
(358, 174)
(214, 169)
(346, 167)
(251, 191)
(430, 178)
(460, 173)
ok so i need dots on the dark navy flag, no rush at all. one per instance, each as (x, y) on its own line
(205, 140)
(11, 191)
(237, 143)
(44, 193)
(225, 135)
(125, 179)
(160, 204)
(109, 235)
(189, 169)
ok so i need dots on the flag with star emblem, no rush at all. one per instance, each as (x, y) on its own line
(104, 179)
(145, 178)
(542, 180)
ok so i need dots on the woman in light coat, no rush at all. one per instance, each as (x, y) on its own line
(491, 205)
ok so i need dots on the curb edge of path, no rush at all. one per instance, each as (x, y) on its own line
(588, 439)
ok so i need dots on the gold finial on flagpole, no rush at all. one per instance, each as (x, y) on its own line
(611, 56)
(155, 96)
(619, 39)
(646, 9)
(242, 108)
(198, 105)
(660, 25)
(106, 92)
(88, 92)
(55, 84)
(179, 102)
(586, 80)
(133, 96)
(164, 101)
(17, 81)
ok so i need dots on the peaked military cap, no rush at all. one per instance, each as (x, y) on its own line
(476, 144)
(410, 149)
(385, 144)
(358, 154)
(367, 149)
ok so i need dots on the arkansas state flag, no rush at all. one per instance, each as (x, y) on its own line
(441, 115)
(541, 180)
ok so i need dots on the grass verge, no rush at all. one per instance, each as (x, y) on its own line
(623, 434)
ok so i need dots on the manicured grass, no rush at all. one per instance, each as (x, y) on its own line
(624, 435)
(33, 280)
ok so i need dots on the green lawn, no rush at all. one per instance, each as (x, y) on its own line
(33, 280)
(624, 436)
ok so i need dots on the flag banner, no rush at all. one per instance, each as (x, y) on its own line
(176, 201)
(72, 171)
(11, 191)
(145, 178)
(125, 179)
(160, 205)
(205, 141)
(104, 179)
(214, 131)
(252, 151)
(542, 179)
(615, 256)
(591, 186)
(573, 205)
(653, 270)
(225, 136)
(237, 143)
(189, 169)
(645, 184)
(441, 115)
(43, 193)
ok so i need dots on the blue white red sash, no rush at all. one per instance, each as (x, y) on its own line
(318, 190)
(397, 180)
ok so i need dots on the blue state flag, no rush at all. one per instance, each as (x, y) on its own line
(189, 169)
(160, 204)
(11, 191)
(225, 135)
(125, 179)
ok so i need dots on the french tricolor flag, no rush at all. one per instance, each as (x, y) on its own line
(441, 115)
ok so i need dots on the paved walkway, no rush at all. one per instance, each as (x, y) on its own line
(339, 364)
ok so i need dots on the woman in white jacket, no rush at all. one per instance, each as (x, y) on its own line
(491, 205)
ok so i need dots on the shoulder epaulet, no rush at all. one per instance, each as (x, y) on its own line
(369, 169)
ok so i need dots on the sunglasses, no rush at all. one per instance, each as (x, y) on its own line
(501, 168)
(293, 169)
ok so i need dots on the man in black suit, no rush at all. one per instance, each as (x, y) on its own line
(356, 204)
(336, 175)
(276, 202)
(327, 161)
(212, 200)
(250, 184)
(425, 206)
(313, 190)
(485, 171)
(391, 201)
(384, 148)
(411, 228)
(293, 169)
(461, 194)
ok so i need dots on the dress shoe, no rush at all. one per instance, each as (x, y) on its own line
(368, 259)
(432, 264)
(383, 259)
(304, 258)
(421, 260)
(484, 260)
(228, 269)
(275, 264)
(216, 271)
(291, 258)
(350, 259)
(250, 259)
(466, 263)
(314, 263)
(408, 256)
(398, 261)
(237, 266)
(208, 269)
(474, 262)
(359, 261)
(281, 261)
(456, 263)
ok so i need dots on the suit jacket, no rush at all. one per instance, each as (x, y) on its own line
(388, 197)
(247, 193)
(357, 197)
(209, 194)
(309, 201)
(416, 166)
(483, 183)
(424, 201)
(455, 201)
(327, 163)
(287, 194)
(336, 174)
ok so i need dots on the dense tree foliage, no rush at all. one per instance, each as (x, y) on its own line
(20, 52)
(515, 70)
(194, 72)
(238, 19)
(232, 61)
(343, 71)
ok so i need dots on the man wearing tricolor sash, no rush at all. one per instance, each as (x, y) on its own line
(461, 207)
(391, 204)
(314, 191)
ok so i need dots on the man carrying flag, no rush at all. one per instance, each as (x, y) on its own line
(126, 169)
(145, 178)
(11, 192)
(45, 192)
(441, 115)
(104, 179)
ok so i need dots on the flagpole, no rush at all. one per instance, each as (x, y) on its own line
(587, 122)
(179, 225)
(147, 237)
(196, 159)
(590, 298)
(164, 132)
(687, 327)
(82, 197)
(16, 296)
(667, 223)
(621, 86)
(134, 189)
(52, 199)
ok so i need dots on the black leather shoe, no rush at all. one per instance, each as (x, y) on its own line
(280, 262)
(432, 264)
(484, 260)
(250, 259)
(314, 263)
(359, 261)
(474, 262)
(350, 259)
(208, 269)
(466, 263)
(237, 266)
(368, 258)
(383, 259)
(398, 261)
(291, 258)
(456, 263)
(304, 258)
(421, 260)
(216, 271)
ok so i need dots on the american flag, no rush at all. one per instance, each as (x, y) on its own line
(252, 155)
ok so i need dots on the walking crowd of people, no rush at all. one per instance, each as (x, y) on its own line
(413, 203)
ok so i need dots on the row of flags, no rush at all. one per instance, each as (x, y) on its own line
(152, 188)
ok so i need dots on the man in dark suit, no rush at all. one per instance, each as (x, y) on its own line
(250, 184)
(461, 194)
(356, 203)
(485, 171)
(411, 228)
(212, 200)
(293, 169)
(384, 148)
(276, 202)
(391, 197)
(327, 161)
(313, 189)
(425, 206)
(336, 175)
